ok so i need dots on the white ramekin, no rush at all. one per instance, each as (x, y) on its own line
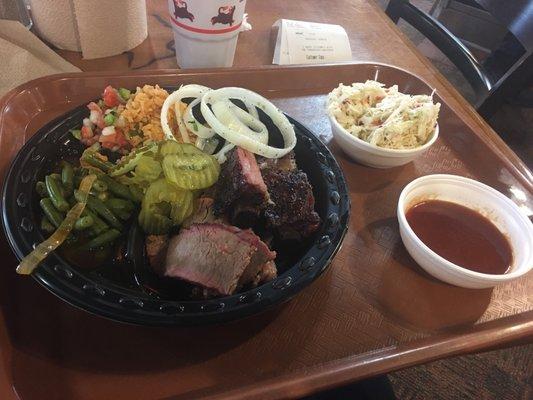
(489, 202)
(374, 156)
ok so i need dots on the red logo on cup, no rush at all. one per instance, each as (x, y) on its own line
(180, 10)
(225, 16)
(207, 16)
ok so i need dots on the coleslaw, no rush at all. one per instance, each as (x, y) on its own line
(383, 116)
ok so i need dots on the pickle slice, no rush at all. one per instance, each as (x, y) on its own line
(183, 208)
(152, 222)
(147, 170)
(172, 147)
(191, 171)
(130, 161)
(164, 205)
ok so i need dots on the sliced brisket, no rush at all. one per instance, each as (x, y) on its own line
(156, 251)
(285, 163)
(291, 211)
(241, 193)
(203, 213)
(216, 256)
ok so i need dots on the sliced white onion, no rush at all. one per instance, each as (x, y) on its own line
(94, 116)
(194, 125)
(248, 142)
(221, 155)
(175, 98)
(108, 130)
(235, 118)
(87, 122)
(181, 127)
(252, 109)
(208, 146)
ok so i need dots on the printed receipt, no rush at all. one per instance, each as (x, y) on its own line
(301, 42)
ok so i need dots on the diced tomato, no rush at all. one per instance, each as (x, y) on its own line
(110, 97)
(100, 123)
(108, 145)
(86, 132)
(121, 139)
(108, 138)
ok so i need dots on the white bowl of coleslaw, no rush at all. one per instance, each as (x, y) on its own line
(397, 128)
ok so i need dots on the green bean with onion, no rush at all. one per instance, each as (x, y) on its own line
(103, 239)
(99, 207)
(53, 215)
(99, 226)
(117, 188)
(67, 178)
(93, 160)
(46, 225)
(83, 223)
(55, 192)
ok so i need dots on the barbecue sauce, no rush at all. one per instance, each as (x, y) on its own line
(461, 236)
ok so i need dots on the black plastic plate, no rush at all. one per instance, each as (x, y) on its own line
(118, 296)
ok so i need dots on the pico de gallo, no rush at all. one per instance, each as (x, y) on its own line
(105, 124)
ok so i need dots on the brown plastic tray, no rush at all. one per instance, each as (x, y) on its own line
(374, 310)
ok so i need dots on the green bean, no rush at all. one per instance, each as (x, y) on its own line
(46, 225)
(91, 159)
(72, 201)
(99, 226)
(124, 215)
(103, 239)
(100, 186)
(120, 204)
(83, 223)
(54, 216)
(40, 188)
(83, 172)
(136, 193)
(55, 192)
(103, 196)
(77, 180)
(121, 208)
(98, 206)
(67, 178)
(117, 188)
(57, 177)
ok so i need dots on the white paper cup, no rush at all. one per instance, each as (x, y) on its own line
(206, 31)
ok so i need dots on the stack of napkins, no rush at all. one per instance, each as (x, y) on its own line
(97, 28)
(301, 42)
(25, 57)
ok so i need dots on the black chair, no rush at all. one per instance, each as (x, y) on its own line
(491, 90)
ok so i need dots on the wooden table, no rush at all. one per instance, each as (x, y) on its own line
(308, 363)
